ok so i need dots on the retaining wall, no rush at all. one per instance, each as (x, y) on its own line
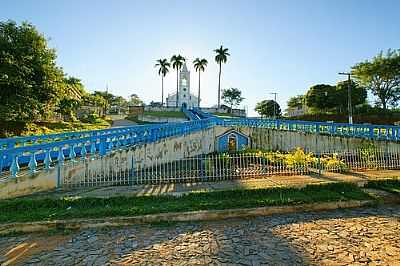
(271, 139)
(112, 166)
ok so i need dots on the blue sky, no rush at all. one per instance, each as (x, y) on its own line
(276, 46)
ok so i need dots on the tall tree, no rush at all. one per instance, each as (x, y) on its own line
(381, 75)
(358, 95)
(199, 65)
(135, 100)
(68, 106)
(232, 96)
(30, 80)
(296, 101)
(321, 97)
(163, 68)
(177, 63)
(97, 101)
(221, 57)
(268, 108)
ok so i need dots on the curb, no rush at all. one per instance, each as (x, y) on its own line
(75, 224)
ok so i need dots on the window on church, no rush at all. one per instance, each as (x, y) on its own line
(184, 89)
(184, 95)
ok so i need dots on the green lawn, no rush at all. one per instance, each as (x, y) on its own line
(390, 185)
(166, 114)
(40, 209)
(225, 115)
(12, 129)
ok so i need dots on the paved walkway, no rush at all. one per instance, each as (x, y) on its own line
(367, 236)
(254, 183)
(122, 123)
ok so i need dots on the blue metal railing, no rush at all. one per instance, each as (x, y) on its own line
(202, 114)
(7, 143)
(92, 144)
(190, 114)
(378, 132)
(46, 148)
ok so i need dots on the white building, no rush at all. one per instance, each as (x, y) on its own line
(185, 98)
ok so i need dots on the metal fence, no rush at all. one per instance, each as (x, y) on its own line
(218, 167)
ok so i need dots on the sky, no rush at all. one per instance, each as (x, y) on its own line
(282, 46)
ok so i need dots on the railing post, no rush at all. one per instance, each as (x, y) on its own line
(371, 132)
(102, 146)
(47, 160)
(14, 168)
(32, 163)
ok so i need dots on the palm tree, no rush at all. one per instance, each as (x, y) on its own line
(163, 65)
(177, 62)
(199, 65)
(221, 57)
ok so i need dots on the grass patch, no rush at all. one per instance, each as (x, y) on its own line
(389, 185)
(165, 114)
(12, 129)
(226, 115)
(28, 209)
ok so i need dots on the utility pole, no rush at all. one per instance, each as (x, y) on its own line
(274, 93)
(348, 95)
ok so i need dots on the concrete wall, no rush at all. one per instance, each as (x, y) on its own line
(158, 119)
(162, 109)
(112, 168)
(270, 139)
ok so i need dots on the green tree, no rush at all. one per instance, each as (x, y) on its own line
(68, 106)
(163, 68)
(268, 108)
(296, 101)
(199, 66)
(30, 80)
(381, 76)
(358, 95)
(135, 100)
(232, 96)
(221, 57)
(96, 101)
(321, 97)
(177, 63)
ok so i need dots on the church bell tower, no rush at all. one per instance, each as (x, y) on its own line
(184, 87)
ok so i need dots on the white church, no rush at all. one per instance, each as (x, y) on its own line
(185, 98)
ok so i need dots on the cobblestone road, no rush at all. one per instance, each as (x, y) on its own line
(368, 236)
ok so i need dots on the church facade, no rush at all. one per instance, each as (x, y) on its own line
(185, 98)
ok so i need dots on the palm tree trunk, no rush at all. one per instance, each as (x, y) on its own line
(162, 90)
(219, 86)
(198, 96)
(177, 83)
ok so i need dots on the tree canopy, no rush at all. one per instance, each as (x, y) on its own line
(381, 75)
(358, 95)
(232, 96)
(296, 101)
(268, 107)
(321, 97)
(135, 100)
(30, 81)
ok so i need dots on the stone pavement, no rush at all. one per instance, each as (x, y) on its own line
(368, 236)
(253, 183)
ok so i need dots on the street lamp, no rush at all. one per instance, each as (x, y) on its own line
(274, 93)
(348, 95)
